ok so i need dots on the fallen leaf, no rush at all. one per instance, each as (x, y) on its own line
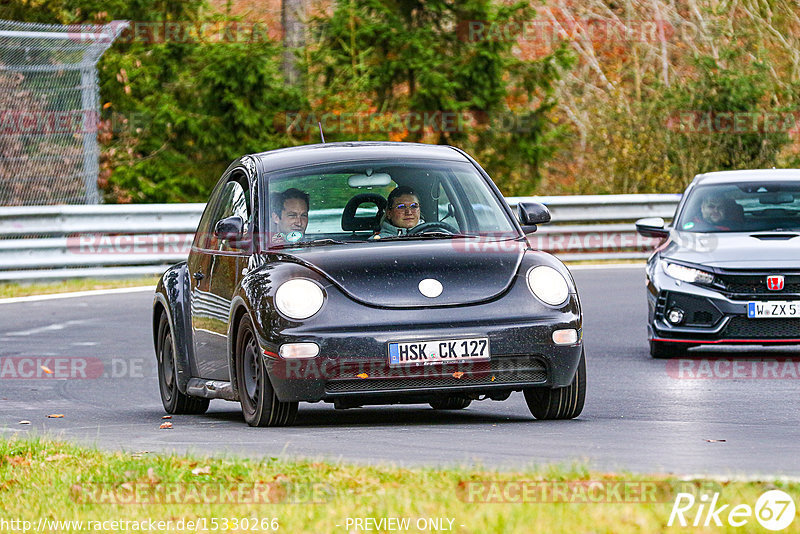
(716, 440)
(166, 424)
(107, 105)
(166, 417)
(55, 416)
(46, 369)
(202, 470)
(458, 374)
(76, 490)
(362, 375)
(24, 422)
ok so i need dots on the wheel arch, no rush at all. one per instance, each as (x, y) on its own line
(239, 309)
(172, 299)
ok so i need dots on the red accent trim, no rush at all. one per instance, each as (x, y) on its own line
(704, 342)
(273, 354)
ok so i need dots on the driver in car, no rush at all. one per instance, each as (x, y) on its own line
(716, 214)
(402, 213)
(289, 215)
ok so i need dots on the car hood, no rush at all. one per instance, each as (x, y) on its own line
(388, 274)
(736, 250)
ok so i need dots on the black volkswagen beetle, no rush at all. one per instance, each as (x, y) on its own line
(366, 273)
(728, 271)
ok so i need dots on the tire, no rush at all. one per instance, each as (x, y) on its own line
(662, 350)
(173, 400)
(260, 405)
(559, 403)
(451, 403)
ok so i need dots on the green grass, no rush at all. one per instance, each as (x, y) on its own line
(8, 290)
(42, 479)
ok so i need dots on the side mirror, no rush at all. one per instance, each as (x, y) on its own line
(231, 229)
(532, 213)
(652, 227)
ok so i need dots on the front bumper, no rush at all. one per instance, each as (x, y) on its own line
(711, 317)
(352, 364)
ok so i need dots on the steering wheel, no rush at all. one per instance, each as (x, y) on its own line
(435, 225)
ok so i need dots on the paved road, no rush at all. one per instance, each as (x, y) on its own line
(638, 415)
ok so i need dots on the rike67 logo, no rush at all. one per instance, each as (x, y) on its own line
(774, 510)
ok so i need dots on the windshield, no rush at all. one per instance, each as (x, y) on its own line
(742, 207)
(378, 200)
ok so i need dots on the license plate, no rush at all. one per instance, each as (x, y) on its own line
(438, 351)
(773, 309)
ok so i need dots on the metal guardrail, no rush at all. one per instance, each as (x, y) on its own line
(57, 242)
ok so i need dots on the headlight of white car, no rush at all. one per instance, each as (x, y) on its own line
(687, 274)
(299, 298)
(548, 285)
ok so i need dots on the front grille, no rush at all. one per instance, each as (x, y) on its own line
(507, 370)
(661, 305)
(702, 318)
(754, 284)
(744, 328)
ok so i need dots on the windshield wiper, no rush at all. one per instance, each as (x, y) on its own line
(312, 243)
(425, 235)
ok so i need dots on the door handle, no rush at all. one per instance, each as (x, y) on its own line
(198, 276)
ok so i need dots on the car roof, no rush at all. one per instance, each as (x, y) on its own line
(285, 158)
(748, 175)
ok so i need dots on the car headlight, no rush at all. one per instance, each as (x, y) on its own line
(299, 298)
(687, 274)
(548, 285)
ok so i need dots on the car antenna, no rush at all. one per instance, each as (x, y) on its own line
(322, 135)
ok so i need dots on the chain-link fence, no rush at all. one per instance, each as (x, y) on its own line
(49, 110)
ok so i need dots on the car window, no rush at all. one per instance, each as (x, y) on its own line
(328, 194)
(204, 228)
(231, 198)
(344, 199)
(742, 207)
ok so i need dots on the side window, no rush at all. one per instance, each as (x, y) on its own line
(208, 219)
(445, 211)
(231, 199)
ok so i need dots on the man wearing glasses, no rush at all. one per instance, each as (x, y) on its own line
(402, 213)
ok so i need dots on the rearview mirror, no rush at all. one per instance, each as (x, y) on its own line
(231, 229)
(379, 179)
(532, 213)
(652, 227)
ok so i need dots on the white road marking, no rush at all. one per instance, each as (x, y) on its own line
(604, 266)
(92, 293)
(48, 328)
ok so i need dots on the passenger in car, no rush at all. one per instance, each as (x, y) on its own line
(289, 215)
(402, 213)
(718, 213)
